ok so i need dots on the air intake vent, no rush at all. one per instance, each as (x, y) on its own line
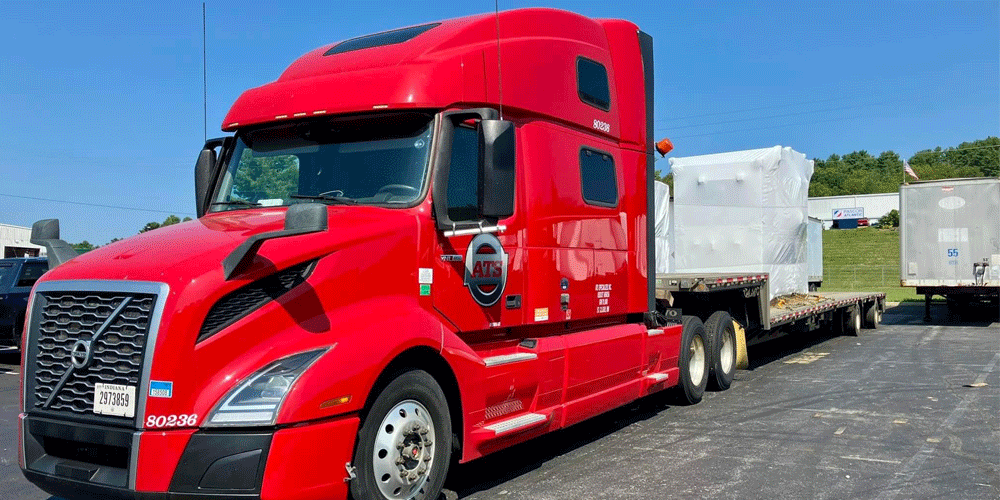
(243, 301)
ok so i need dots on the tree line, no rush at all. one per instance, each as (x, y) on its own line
(861, 173)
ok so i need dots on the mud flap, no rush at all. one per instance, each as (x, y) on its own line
(742, 359)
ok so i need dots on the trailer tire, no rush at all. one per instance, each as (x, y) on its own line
(411, 410)
(852, 321)
(693, 361)
(873, 315)
(722, 347)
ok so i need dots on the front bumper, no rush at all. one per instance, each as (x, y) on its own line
(76, 461)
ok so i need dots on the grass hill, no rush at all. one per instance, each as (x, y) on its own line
(864, 259)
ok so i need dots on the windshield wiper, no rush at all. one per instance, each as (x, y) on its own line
(342, 200)
(241, 203)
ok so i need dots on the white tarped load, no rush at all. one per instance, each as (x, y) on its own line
(664, 260)
(743, 212)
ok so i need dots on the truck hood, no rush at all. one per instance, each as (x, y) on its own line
(351, 258)
(195, 249)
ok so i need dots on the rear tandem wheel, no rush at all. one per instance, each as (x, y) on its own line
(693, 361)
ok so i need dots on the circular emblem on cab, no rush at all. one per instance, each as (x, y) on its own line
(485, 269)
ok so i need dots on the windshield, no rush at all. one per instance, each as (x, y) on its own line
(373, 160)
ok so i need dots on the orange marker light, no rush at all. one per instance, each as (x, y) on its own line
(665, 146)
(334, 402)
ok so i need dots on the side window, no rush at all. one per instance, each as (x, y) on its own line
(31, 272)
(597, 174)
(592, 83)
(463, 175)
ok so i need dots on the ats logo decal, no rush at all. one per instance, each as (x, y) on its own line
(485, 269)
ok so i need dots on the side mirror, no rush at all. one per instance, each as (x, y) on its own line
(204, 174)
(302, 218)
(46, 233)
(45, 229)
(499, 161)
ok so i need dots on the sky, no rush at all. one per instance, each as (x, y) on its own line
(102, 102)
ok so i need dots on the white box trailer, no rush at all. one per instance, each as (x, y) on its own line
(950, 239)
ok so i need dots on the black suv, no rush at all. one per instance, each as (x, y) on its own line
(17, 276)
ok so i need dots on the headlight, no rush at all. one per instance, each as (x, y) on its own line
(257, 399)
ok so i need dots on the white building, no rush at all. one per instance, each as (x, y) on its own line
(873, 205)
(14, 242)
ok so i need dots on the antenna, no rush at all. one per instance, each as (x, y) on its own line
(204, 72)
(496, 11)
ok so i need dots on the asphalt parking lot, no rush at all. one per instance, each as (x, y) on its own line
(911, 410)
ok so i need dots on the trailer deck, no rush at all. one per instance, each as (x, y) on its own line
(789, 308)
(745, 297)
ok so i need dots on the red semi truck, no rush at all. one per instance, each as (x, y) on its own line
(386, 275)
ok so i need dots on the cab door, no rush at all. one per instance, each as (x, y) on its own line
(479, 266)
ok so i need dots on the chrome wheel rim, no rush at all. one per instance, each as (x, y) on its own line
(727, 354)
(696, 363)
(403, 455)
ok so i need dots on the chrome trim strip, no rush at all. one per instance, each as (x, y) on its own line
(475, 230)
(133, 461)
(23, 438)
(24, 350)
(509, 358)
(654, 332)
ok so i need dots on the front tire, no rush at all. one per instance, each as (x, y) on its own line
(404, 446)
(693, 361)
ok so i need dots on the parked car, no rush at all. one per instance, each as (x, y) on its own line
(17, 276)
(862, 222)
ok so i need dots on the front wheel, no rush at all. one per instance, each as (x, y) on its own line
(404, 446)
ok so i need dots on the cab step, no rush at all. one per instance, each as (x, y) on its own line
(517, 423)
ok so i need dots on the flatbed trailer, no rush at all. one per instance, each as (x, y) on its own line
(745, 298)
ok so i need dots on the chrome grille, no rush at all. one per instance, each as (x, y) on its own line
(116, 323)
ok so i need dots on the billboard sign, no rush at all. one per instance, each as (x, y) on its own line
(849, 213)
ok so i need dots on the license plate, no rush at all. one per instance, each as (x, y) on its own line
(114, 399)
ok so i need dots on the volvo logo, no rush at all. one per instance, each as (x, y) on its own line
(485, 269)
(80, 354)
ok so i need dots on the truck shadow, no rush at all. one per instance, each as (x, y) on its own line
(782, 347)
(498, 468)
